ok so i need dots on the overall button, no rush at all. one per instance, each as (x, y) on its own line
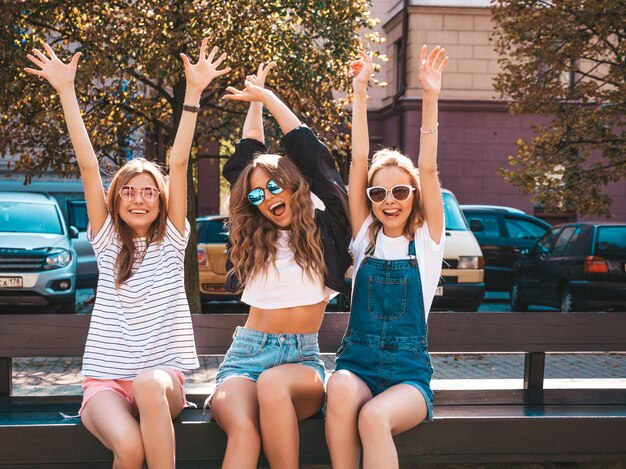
(281, 339)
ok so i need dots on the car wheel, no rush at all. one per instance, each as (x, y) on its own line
(68, 307)
(515, 294)
(568, 304)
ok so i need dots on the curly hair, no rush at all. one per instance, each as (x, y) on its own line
(254, 236)
(128, 251)
(389, 157)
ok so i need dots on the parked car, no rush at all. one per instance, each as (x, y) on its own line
(212, 239)
(462, 286)
(502, 232)
(86, 267)
(574, 266)
(37, 260)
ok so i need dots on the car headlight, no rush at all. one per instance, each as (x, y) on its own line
(57, 260)
(471, 262)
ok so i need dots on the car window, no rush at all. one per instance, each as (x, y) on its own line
(212, 231)
(543, 245)
(452, 212)
(490, 224)
(566, 240)
(77, 215)
(19, 217)
(523, 229)
(611, 239)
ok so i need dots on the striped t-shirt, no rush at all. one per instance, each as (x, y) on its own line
(145, 323)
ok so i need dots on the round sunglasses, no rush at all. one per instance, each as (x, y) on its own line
(400, 192)
(257, 196)
(148, 193)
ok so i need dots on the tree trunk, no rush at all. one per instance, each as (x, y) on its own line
(191, 253)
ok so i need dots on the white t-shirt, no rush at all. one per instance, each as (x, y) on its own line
(429, 255)
(285, 286)
(145, 323)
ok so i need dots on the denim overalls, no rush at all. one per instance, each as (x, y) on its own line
(386, 341)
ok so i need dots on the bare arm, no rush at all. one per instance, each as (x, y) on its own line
(198, 77)
(253, 126)
(61, 77)
(361, 70)
(430, 72)
(252, 93)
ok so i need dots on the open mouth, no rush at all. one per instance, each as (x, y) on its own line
(138, 211)
(278, 208)
(391, 212)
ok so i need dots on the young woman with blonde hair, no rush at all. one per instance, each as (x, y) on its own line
(289, 254)
(140, 337)
(381, 386)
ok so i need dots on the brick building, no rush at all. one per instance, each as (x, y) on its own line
(476, 131)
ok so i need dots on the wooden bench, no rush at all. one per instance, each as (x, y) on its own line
(524, 425)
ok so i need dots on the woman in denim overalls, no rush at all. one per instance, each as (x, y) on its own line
(381, 386)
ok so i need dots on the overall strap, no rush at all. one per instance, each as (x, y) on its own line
(412, 254)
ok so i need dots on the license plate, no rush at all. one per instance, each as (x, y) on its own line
(439, 291)
(11, 282)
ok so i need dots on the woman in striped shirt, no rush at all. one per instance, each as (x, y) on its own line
(140, 337)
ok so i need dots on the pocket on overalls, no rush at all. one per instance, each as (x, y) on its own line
(424, 357)
(386, 297)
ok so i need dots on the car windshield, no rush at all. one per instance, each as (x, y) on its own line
(611, 239)
(212, 231)
(21, 217)
(77, 215)
(454, 218)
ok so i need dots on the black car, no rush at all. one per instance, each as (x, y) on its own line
(502, 232)
(574, 266)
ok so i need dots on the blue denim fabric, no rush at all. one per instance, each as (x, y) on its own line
(252, 352)
(386, 342)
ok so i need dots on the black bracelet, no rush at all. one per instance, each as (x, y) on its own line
(190, 108)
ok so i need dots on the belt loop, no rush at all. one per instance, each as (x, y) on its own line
(299, 341)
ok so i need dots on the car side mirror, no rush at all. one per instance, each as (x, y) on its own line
(476, 225)
(73, 232)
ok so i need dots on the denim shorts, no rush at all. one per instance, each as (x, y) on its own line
(252, 352)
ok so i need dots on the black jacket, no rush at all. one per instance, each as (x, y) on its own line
(317, 165)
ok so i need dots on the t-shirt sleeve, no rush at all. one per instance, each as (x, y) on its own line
(104, 238)
(174, 237)
(428, 241)
(360, 242)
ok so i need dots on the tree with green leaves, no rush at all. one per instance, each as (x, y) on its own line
(565, 59)
(131, 86)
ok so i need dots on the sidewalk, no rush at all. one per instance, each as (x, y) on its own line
(58, 376)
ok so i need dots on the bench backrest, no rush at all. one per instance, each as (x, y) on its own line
(533, 333)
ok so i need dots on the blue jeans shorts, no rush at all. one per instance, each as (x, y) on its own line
(252, 352)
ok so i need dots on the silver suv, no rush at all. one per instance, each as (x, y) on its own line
(37, 261)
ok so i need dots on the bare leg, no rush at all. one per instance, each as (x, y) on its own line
(109, 418)
(287, 394)
(235, 408)
(159, 399)
(392, 412)
(346, 394)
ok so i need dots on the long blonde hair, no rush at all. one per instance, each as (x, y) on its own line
(389, 157)
(128, 251)
(254, 237)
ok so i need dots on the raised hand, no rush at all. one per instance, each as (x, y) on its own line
(200, 74)
(361, 70)
(59, 75)
(255, 84)
(431, 68)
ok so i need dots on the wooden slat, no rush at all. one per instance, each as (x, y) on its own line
(65, 335)
(6, 376)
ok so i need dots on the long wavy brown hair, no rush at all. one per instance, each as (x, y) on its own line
(389, 157)
(254, 237)
(128, 250)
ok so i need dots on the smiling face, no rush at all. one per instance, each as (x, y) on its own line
(275, 207)
(392, 213)
(138, 213)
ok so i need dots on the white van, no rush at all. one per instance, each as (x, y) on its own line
(462, 285)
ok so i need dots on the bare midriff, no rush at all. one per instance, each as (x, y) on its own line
(295, 320)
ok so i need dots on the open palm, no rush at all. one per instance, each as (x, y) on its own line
(431, 69)
(200, 74)
(58, 74)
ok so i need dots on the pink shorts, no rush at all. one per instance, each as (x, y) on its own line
(92, 386)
